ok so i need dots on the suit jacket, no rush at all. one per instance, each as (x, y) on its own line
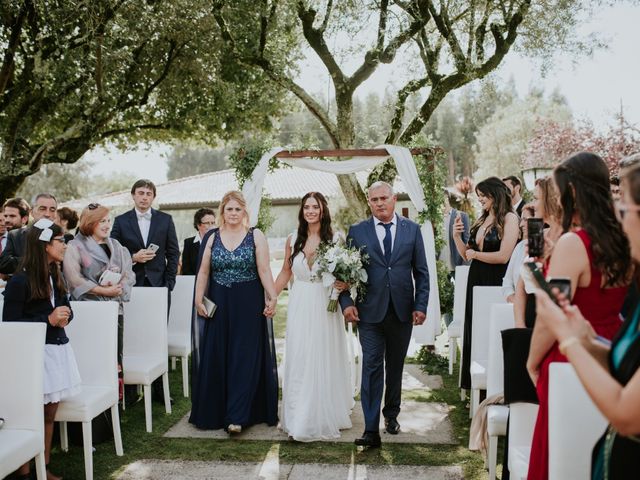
(190, 252)
(456, 258)
(519, 207)
(19, 307)
(13, 251)
(161, 271)
(403, 281)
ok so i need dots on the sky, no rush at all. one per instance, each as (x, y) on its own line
(595, 87)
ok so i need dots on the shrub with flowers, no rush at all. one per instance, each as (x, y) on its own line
(337, 261)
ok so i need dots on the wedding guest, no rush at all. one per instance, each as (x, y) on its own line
(203, 221)
(611, 375)
(89, 255)
(449, 253)
(594, 254)
(317, 396)
(16, 213)
(547, 207)
(235, 381)
(45, 206)
(492, 239)
(137, 230)
(37, 293)
(516, 261)
(396, 299)
(68, 220)
(514, 185)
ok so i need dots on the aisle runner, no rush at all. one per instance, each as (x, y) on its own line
(422, 422)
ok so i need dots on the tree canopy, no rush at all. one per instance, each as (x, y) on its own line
(74, 74)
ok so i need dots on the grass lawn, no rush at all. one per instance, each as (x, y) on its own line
(141, 445)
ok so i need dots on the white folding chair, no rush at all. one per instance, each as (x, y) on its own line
(483, 298)
(575, 424)
(145, 349)
(455, 328)
(21, 401)
(179, 327)
(497, 415)
(522, 420)
(354, 352)
(93, 335)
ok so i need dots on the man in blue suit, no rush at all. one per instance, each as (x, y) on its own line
(137, 230)
(396, 299)
(143, 226)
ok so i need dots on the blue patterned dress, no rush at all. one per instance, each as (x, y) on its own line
(237, 379)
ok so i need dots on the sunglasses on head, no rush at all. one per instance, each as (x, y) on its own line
(93, 206)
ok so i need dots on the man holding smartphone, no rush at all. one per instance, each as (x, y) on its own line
(150, 237)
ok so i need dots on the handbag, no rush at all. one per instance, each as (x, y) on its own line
(518, 386)
(209, 306)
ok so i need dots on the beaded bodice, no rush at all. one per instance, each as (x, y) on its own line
(236, 266)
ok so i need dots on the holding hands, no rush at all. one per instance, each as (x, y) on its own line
(270, 306)
(60, 317)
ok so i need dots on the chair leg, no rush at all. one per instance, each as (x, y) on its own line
(173, 363)
(64, 439)
(167, 394)
(117, 436)
(147, 408)
(41, 468)
(185, 375)
(452, 354)
(475, 402)
(87, 443)
(493, 455)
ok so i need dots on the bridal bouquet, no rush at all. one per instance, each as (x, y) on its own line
(336, 261)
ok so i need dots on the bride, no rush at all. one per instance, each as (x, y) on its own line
(316, 394)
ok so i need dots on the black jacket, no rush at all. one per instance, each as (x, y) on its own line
(19, 307)
(13, 251)
(190, 252)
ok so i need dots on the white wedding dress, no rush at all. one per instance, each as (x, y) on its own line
(317, 395)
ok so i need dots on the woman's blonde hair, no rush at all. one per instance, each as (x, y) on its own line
(550, 198)
(238, 197)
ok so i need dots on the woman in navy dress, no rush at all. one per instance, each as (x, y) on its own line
(235, 376)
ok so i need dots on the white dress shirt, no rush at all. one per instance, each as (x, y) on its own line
(144, 223)
(381, 231)
(3, 240)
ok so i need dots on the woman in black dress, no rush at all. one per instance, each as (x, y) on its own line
(491, 241)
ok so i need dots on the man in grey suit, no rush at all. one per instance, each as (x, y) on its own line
(396, 299)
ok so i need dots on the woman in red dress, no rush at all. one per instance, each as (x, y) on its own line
(594, 254)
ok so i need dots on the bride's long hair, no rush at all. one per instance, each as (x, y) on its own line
(326, 232)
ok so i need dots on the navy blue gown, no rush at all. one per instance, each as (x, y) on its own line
(237, 379)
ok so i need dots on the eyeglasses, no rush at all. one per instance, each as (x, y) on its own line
(93, 206)
(622, 209)
(60, 239)
(208, 224)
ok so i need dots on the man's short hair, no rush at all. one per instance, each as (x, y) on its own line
(200, 214)
(144, 183)
(45, 195)
(514, 180)
(380, 184)
(18, 203)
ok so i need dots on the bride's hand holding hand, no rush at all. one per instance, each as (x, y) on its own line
(270, 307)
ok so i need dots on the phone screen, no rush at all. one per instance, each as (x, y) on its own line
(540, 280)
(562, 284)
(535, 235)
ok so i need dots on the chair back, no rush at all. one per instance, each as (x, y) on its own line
(145, 323)
(483, 299)
(93, 335)
(501, 319)
(460, 293)
(575, 424)
(21, 375)
(522, 420)
(179, 328)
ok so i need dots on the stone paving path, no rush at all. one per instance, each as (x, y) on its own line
(272, 470)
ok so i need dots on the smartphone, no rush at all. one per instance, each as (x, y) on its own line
(540, 280)
(562, 284)
(535, 235)
(153, 247)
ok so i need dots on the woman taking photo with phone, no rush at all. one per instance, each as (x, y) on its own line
(37, 293)
(611, 375)
(491, 241)
(593, 254)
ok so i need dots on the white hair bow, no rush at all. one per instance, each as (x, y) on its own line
(47, 233)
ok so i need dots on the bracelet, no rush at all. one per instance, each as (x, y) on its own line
(566, 343)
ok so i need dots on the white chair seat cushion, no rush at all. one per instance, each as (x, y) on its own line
(143, 370)
(478, 376)
(16, 447)
(454, 330)
(179, 346)
(86, 405)
(497, 416)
